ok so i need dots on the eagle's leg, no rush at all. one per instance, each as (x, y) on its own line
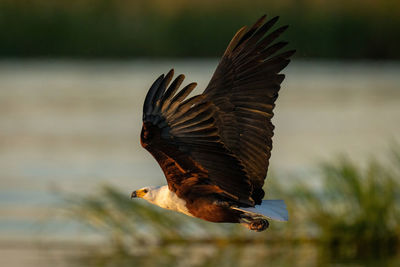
(254, 223)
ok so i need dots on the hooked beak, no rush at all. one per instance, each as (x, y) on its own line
(139, 193)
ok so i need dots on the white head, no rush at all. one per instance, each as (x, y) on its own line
(148, 193)
(162, 197)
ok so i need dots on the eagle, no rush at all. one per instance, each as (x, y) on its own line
(214, 148)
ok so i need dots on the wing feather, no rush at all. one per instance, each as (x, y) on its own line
(183, 137)
(220, 141)
(244, 88)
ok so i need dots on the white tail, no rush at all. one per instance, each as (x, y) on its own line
(273, 209)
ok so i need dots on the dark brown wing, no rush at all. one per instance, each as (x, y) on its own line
(184, 138)
(244, 88)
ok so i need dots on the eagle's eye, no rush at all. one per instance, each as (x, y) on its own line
(145, 191)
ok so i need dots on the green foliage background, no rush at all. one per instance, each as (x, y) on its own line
(353, 29)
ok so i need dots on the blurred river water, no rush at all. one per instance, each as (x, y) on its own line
(70, 126)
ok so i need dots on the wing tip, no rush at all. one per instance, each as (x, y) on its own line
(260, 20)
(170, 72)
(147, 106)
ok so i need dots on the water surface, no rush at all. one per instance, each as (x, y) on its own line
(72, 126)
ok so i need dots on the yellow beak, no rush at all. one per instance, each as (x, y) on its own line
(138, 193)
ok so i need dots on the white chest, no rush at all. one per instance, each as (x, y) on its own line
(167, 199)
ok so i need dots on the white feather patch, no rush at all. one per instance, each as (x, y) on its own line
(274, 209)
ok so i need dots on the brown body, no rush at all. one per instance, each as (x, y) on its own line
(206, 209)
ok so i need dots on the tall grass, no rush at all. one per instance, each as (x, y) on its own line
(352, 217)
(356, 212)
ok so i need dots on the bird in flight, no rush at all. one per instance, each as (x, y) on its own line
(214, 148)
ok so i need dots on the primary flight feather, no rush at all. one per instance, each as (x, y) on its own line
(214, 147)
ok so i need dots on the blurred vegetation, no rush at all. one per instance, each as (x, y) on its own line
(351, 218)
(341, 29)
(356, 214)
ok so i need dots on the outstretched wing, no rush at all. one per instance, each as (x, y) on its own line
(244, 88)
(185, 139)
(220, 142)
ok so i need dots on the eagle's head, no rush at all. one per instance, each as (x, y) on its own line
(139, 193)
(148, 193)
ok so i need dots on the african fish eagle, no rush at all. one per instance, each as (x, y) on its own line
(214, 147)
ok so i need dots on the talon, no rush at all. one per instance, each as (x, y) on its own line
(255, 225)
(259, 225)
